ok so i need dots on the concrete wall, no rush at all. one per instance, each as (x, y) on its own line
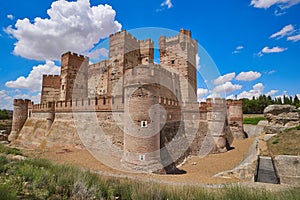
(288, 169)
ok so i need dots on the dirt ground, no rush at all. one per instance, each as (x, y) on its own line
(198, 170)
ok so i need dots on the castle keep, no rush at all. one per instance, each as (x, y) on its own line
(148, 112)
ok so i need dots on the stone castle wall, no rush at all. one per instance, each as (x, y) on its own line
(156, 101)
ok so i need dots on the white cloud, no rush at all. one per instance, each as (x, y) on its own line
(248, 76)
(294, 38)
(33, 81)
(5, 100)
(238, 49)
(283, 4)
(271, 72)
(201, 93)
(268, 50)
(271, 92)
(167, 3)
(227, 87)
(198, 62)
(278, 13)
(255, 92)
(225, 78)
(285, 31)
(71, 26)
(98, 53)
(10, 16)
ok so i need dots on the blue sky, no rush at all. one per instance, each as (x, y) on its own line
(253, 44)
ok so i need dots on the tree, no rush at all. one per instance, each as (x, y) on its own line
(296, 101)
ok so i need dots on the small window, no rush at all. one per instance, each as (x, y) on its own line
(173, 62)
(142, 157)
(144, 124)
(63, 87)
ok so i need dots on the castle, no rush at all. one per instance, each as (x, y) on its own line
(148, 111)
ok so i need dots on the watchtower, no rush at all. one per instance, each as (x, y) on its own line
(179, 52)
(74, 72)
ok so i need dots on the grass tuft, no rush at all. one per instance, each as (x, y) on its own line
(7, 150)
(253, 121)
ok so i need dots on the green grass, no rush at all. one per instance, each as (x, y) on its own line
(253, 121)
(41, 179)
(7, 150)
(285, 143)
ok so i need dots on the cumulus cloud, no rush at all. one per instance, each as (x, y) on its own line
(238, 49)
(285, 31)
(268, 50)
(255, 92)
(248, 76)
(225, 78)
(33, 81)
(227, 87)
(71, 26)
(294, 38)
(283, 4)
(10, 16)
(201, 93)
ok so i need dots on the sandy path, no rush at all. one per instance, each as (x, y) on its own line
(199, 170)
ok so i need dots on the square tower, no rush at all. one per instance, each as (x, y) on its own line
(179, 53)
(74, 74)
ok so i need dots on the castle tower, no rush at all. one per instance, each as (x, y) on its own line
(50, 88)
(147, 51)
(73, 76)
(141, 122)
(20, 115)
(123, 54)
(235, 118)
(217, 124)
(179, 52)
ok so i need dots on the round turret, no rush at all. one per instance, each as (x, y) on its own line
(235, 118)
(142, 129)
(217, 126)
(20, 115)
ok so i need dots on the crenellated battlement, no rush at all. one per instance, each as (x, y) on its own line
(51, 76)
(185, 32)
(21, 101)
(231, 102)
(73, 54)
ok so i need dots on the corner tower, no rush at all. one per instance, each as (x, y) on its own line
(20, 115)
(179, 53)
(74, 72)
